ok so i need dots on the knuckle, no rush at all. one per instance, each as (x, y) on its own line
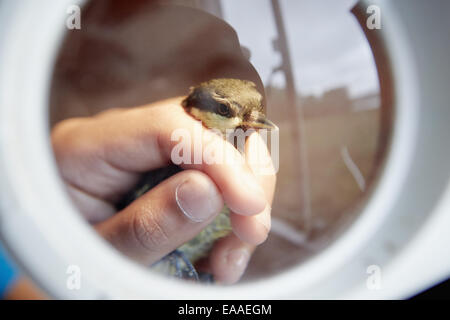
(148, 231)
(65, 140)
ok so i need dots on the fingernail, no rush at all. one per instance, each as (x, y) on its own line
(198, 199)
(237, 259)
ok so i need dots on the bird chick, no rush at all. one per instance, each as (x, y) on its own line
(224, 105)
(227, 104)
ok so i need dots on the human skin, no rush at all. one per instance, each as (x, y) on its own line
(102, 157)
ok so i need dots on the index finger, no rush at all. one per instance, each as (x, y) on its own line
(140, 139)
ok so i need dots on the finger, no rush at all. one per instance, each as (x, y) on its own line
(165, 217)
(230, 255)
(229, 259)
(120, 144)
(92, 208)
(252, 229)
(255, 229)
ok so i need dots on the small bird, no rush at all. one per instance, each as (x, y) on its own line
(225, 105)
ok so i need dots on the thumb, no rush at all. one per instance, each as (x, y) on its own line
(165, 217)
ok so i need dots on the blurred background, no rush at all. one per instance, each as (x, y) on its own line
(312, 60)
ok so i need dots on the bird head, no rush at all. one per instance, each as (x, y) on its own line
(227, 104)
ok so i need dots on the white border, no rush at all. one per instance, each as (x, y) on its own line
(33, 201)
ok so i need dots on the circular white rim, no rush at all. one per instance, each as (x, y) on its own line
(25, 149)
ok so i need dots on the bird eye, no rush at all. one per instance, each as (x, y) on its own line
(223, 110)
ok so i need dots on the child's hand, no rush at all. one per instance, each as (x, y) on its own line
(100, 158)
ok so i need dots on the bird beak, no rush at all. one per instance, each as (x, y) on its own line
(261, 122)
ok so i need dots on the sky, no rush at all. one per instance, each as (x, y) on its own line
(327, 46)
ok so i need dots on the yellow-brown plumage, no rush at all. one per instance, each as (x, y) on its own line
(222, 104)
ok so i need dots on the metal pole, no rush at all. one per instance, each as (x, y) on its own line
(297, 116)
